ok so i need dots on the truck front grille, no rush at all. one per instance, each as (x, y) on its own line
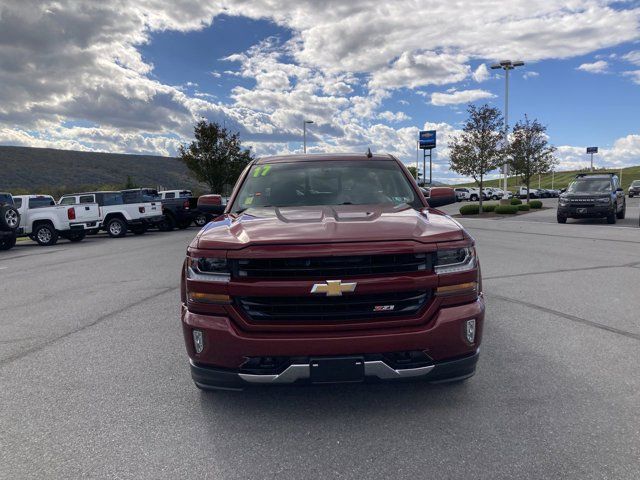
(334, 267)
(345, 308)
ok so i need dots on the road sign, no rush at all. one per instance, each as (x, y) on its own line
(427, 139)
(592, 149)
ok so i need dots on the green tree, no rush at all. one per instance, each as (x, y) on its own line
(479, 149)
(130, 183)
(216, 156)
(529, 152)
(414, 172)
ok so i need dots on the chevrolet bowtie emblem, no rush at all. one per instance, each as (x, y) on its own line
(333, 288)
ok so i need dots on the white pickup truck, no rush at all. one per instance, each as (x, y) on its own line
(116, 217)
(44, 222)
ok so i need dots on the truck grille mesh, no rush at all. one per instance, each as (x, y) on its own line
(318, 308)
(334, 267)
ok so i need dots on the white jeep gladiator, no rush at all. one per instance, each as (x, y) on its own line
(116, 217)
(44, 222)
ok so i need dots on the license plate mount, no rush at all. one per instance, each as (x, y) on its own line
(346, 369)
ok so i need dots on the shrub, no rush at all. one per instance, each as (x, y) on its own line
(489, 208)
(523, 208)
(535, 204)
(470, 209)
(516, 201)
(506, 209)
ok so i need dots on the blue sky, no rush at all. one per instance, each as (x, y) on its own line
(135, 76)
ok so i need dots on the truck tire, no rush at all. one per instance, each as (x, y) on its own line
(561, 218)
(201, 219)
(167, 223)
(8, 242)
(621, 214)
(473, 198)
(116, 228)
(9, 218)
(611, 218)
(45, 235)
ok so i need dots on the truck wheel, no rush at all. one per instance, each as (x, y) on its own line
(473, 198)
(45, 235)
(9, 218)
(201, 220)
(167, 224)
(561, 218)
(622, 212)
(116, 228)
(76, 237)
(7, 243)
(611, 218)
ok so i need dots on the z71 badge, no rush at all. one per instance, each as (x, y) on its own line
(383, 308)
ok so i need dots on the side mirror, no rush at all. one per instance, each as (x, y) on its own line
(441, 196)
(562, 190)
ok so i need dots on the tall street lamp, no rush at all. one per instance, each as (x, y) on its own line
(506, 65)
(304, 134)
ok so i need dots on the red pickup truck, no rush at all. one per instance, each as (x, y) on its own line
(330, 268)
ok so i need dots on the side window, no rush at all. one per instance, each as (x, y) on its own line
(170, 195)
(68, 201)
(86, 199)
(17, 202)
(112, 199)
(40, 202)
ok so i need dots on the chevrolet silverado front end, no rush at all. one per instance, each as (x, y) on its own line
(330, 269)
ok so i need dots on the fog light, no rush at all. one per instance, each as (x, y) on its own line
(470, 330)
(198, 341)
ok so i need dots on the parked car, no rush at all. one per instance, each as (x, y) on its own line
(176, 212)
(170, 194)
(9, 221)
(330, 269)
(474, 195)
(634, 189)
(439, 196)
(209, 207)
(521, 192)
(494, 193)
(45, 222)
(116, 217)
(462, 193)
(593, 196)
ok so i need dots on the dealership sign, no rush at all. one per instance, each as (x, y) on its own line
(592, 149)
(427, 139)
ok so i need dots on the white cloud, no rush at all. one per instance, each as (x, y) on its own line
(634, 75)
(394, 116)
(481, 73)
(632, 57)
(457, 97)
(601, 66)
(530, 74)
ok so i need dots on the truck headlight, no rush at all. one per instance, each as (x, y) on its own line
(604, 201)
(208, 269)
(456, 260)
(563, 201)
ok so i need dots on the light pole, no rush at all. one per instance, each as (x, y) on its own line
(506, 65)
(304, 134)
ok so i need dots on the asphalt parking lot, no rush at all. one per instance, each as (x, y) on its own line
(94, 380)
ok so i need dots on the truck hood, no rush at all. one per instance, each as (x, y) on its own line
(324, 224)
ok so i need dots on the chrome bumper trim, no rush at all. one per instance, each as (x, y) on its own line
(375, 368)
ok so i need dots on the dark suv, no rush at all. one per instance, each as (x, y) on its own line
(597, 195)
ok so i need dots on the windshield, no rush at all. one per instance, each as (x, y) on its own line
(635, 183)
(590, 185)
(325, 183)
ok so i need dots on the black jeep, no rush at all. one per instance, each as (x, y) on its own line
(593, 195)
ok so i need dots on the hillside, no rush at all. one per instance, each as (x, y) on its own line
(46, 170)
(561, 179)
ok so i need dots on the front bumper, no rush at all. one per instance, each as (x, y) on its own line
(211, 378)
(585, 212)
(227, 347)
